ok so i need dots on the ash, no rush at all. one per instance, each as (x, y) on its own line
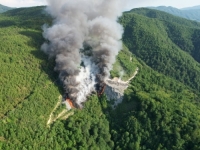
(115, 88)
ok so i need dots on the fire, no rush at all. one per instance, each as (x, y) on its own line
(70, 103)
(102, 89)
(89, 38)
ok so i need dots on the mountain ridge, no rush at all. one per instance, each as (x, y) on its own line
(190, 8)
(4, 8)
(188, 13)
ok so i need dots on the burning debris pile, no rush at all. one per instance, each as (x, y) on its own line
(79, 24)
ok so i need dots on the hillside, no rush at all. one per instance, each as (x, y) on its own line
(160, 108)
(192, 13)
(190, 8)
(168, 44)
(4, 8)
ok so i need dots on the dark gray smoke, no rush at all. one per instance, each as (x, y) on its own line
(92, 22)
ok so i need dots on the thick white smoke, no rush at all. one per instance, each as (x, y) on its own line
(83, 22)
(86, 80)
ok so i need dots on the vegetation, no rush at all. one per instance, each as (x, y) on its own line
(125, 64)
(4, 8)
(160, 110)
(157, 113)
(169, 46)
(188, 13)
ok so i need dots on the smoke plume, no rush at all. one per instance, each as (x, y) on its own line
(79, 24)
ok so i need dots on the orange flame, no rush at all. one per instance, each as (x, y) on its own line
(102, 91)
(70, 103)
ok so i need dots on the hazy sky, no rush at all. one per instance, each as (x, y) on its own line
(22, 3)
(131, 3)
(173, 3)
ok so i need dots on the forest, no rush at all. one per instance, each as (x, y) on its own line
(191, 13)
(160, 109)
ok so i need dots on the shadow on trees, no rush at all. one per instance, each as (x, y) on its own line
(36, 38)
(6, 23)
(47, 64)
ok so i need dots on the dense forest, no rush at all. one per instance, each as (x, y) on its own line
(169, 45)
(160, 110)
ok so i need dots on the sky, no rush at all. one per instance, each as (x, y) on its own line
(173, 3)
(22, 3)
(130, 4)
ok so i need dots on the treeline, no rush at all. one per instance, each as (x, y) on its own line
(192, 14)
(30, 18)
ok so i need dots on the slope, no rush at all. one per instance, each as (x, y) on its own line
(4, 8)
(156, 109)
(170, 46)
(190, 8)
(192, 14)
(157, 113)
(27, 92)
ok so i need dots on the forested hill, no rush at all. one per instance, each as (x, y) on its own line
(168, 44)
(161, 107)
(188, 13)
(4, 8)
